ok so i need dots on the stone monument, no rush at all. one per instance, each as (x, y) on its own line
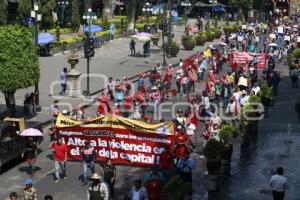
(73, 87)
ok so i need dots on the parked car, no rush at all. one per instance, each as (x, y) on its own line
(11, 144)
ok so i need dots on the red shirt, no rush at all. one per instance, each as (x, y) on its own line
(59, 151)
(165, 161)
(181, 151)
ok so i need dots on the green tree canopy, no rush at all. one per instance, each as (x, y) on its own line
(24, 9)
(3, 11)
(19, 66)
(75, 20)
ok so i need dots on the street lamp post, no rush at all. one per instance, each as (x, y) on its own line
(148, 10)
(36, 18)
(169, 15)
(214, 2)
(89, 16)
(164, 29)
(63, 5)
(186, 4)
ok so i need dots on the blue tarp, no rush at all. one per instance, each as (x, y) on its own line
(93, 29)
(219, 8)
(45, 38)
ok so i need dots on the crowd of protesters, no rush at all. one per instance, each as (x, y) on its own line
(201, 81)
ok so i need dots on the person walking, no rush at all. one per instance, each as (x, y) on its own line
(138, 192)
(60, 158)
(98, 190)
(109, 172)
(13, 196)
(295, 77)
(88, 154)
(132, 47)
(278, 184)
(29, 191)
(185, 166)
(63, 81)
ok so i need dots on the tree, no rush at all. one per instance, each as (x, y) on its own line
(109, 8)
(75, 19)
(19, 65)
(46, 9)
(24, 9)
(131, 8)
(3, 11)
(242, 5)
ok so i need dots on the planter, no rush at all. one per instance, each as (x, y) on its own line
(155, 40)
(213, 183)
(226, 167)
(174, 50)
(201, 39)
(210, 36)
(188, 42)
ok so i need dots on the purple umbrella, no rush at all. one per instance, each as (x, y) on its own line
(31, 132)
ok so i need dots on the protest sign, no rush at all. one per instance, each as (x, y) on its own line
(125, 141)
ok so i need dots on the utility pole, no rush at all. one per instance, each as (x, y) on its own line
(169, 13)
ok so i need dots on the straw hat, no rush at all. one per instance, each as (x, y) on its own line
(154, 88)
(243, 92)
(96, 176)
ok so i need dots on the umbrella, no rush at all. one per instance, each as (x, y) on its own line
(93, 28)
(272, 45)
(45, 38)
(143, 36)
(31, 132)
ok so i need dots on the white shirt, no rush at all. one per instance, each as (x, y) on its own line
(206, 103)
(278, 183)
(236, 96)
(244, 100)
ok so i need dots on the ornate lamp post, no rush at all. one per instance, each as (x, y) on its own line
(36, 18)
(214, 2)
(89, 16)
(186, 4)
(148, 10)
(63, 5)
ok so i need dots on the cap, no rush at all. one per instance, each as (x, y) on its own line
(28, 181)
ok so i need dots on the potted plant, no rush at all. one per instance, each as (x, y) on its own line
(210, 35)
(226, 134)
(200, 39)
(188, 42)
(177, 189)
(212, 152)
(250, 115)
(174, 48)
(266, 98)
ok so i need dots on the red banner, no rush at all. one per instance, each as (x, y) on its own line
(125, 141)
(244, 58)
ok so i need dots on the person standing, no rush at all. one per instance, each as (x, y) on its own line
(132, 47)
(278, 184)
(88, 158)
(29, 191)
(60, 158)
(63, 81)
(98, 190)
(30, 154)
(109, 172)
